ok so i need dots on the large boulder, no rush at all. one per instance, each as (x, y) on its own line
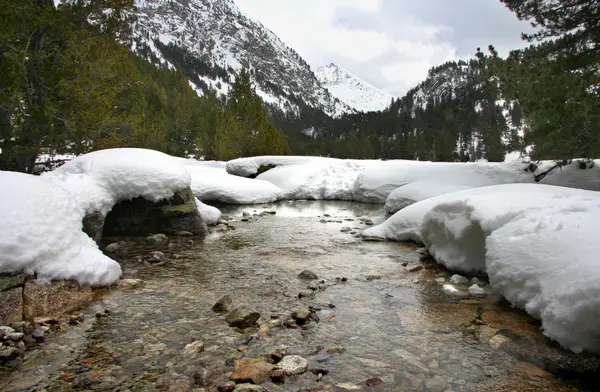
(141, 217)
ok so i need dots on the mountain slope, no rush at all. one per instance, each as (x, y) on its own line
(212, 39)
(352, 90)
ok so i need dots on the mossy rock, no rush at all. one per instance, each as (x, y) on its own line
(141, 217)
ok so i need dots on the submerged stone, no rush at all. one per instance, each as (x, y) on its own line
(242, 317)
(222, 305)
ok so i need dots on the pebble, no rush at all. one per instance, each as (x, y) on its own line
(223, 304)
(293, 364)
(476, 290)
(14, 336)
(5, 330)
(38, 334)
(308, 275)
(157, 239)
(440, 280)
(306, 294)
(126, 284)
(193, 348)
(314, 285)
(301, 316)
(336, 350)
(249, 388)
(348, 387)
(242, 317)
(156, 257)
(111, 248)
(459, 279)
(373, 382)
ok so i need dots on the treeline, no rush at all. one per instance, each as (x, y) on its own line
(71, 86)
(544, 100)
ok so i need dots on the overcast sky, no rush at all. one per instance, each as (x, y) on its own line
(389, 43)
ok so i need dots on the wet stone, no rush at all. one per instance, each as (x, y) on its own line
(301, 316)
(38, 334)
(193, 348)
(373, 382)
(111, 248)
(249, 388)
(157, 239)
(156, 257)
(242, 317)
(254, 370)
(314, 285)
(308, 275)
(306, 294)
(293, 364)
(222, 305)
(227, 387)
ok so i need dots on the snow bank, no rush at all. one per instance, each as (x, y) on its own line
(455, 229)
(209, 214)
(546, 262)
(101, 179)
(537, 244)
(41, 233)
(379, 179)
(213, 183)
(315, 180)
(245, 167)
(416, 191)
(405, 225)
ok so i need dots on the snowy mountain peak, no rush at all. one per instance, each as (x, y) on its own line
(352, 90)
(212, 39)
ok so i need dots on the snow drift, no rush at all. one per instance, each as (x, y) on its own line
(41, 233)
(416, 191)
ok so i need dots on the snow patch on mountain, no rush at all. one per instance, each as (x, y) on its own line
(352, 90)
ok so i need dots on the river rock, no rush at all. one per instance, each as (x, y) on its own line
(313, 285)
(293, 364)
(38, 334)
(348, 387)
(242, 317)
(126, 284)
(301, 316)
(308, 275)
(139, 216)
(459, 279)
(222, 305)
(306, 294)
(156, 257)
(111, 248)
(476, 290)
(157, 239)
(251, 369)
(249, 388)
(14, 336)
(193, 348)
(54, 299)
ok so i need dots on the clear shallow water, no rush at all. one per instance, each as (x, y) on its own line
(390, 322)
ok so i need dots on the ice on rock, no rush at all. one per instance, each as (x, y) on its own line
(209, 214)
(476, 290)
(459, 279)
(101, 179)
(416, 191)
(41, 233)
